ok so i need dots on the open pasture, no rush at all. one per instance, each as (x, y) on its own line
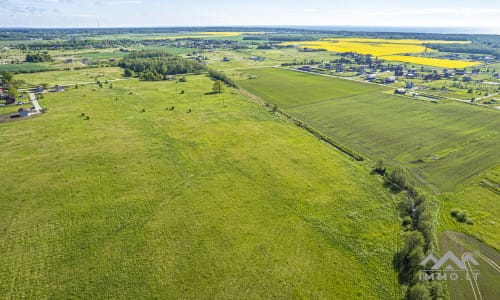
(201, 201)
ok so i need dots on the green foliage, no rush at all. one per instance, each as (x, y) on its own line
(152, 65)
(218, 87)
(461, 216)
(398, 177)
(128, 73)
(379, 167)
(7, 76)
(39, 57)
(217, 75)
(419, 292)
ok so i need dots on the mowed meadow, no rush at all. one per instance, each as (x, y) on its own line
(442, 144)
(114, 194)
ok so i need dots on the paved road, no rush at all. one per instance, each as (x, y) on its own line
(35, 102)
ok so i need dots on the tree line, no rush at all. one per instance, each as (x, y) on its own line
(472, 48)
(418, 237)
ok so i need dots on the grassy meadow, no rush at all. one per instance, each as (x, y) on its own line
(479, 198)
(442, 144)
(71, 77)
(203, 201)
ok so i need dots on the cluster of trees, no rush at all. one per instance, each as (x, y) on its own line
(473, 48)
(357, 57)
(39, 57)
(156, 65)
(418, 238)
(7, 79)
(217, 75)
(432, 76)
(303, 62)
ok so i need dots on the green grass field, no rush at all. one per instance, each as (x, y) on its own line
(441, 144)
(70, 77)
(222, 202)
(486, 285)
(25, 67)
(478, 197)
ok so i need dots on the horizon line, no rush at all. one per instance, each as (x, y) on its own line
(318, 27)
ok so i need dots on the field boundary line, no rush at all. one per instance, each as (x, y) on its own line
(326, 139)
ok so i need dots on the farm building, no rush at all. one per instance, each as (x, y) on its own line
(306, 68)
(460, 72)
(390, 79)
(371, 77)
(400, 91)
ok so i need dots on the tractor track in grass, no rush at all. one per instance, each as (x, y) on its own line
(488, 260)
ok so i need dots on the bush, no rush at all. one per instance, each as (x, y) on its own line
(380, 168)
(419, 292)
(460, 215)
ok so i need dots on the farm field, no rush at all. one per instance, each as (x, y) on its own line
(479, 198)
(289, 89)
(387, 49)
(442, 144)
(25, 67)
(331, 164)
(486, 285)
(143, 202)
(70, 77)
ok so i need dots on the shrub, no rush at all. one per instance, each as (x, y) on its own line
(379, 167)
(460, 215)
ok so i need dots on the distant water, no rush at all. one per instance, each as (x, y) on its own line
(444, 30)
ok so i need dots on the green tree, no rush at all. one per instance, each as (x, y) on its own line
(7, 76)
(419, 292)
(218, 87)
(379, 167)
(128, 73)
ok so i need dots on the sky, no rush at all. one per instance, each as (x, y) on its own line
(482, 14)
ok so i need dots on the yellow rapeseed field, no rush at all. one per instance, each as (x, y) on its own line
(386, 49)
(376, 49)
